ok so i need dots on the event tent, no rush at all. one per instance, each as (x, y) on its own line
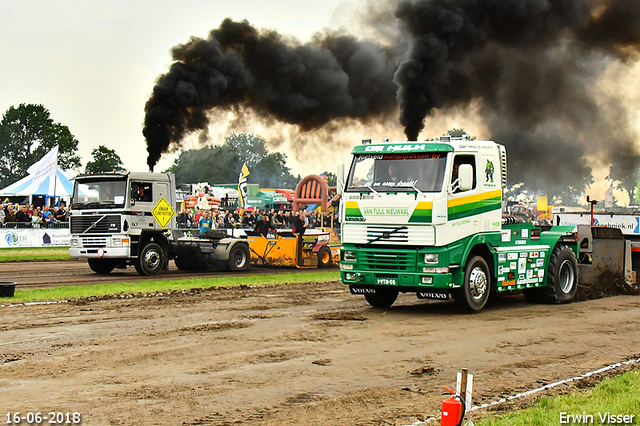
(26, 187)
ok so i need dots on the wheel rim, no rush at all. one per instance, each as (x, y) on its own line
(152, 259)
(567, 276)
(477, 283)
(239, 258)
(326, 256)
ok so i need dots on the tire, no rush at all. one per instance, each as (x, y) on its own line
(151, 260)
(102, 266)
(324, 257)
(180, 263)
(562, 276)
(383, 297)
(477, 285)
(239, 258)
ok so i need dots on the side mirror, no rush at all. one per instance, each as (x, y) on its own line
(340, 178)
(466, 177)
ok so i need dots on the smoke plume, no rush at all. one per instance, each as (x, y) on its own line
(532, 66)
(304, 84)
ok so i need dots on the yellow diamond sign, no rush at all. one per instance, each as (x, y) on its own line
(163, 212)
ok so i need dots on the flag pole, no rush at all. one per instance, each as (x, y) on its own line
(55, 183)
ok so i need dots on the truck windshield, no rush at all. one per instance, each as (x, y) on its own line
(99, 193)
(397, 172)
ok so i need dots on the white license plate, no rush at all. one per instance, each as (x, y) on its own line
(387, 281)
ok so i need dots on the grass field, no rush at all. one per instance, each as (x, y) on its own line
(151, 286)
(34, 253)
(607, 403)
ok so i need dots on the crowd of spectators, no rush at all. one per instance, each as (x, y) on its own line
(277, 219)
(30, 216)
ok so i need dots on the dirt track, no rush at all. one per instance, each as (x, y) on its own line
(292, 355)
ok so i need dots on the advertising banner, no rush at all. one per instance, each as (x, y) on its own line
(42, 237)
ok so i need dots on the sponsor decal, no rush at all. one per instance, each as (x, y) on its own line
(386, 211)
(540, 263)
(502, 257)
(507, 283)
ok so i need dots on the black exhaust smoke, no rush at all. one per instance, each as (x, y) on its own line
(307, 85)
(530, 65)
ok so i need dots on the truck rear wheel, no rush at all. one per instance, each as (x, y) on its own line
(151, 260)
(324, 257)
(239, 258)
(102, 266)
(477, 285)
(383, 297)
(562, 278)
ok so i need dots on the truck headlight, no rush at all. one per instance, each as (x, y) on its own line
(74, 242)
(431, 258)
(349, 255)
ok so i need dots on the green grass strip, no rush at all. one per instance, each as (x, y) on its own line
(151, 286)
(616, 396)
(34, 253)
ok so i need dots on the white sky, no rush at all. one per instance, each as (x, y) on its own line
(93, 63)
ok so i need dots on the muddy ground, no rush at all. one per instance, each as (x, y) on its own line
(304, 354)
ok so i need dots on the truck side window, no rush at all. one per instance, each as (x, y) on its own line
(141, 191)
(457, 161)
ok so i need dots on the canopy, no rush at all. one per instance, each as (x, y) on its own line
(26, 187)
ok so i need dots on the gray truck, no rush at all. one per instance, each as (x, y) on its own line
(122, 219)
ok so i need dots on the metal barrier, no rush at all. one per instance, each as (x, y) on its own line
(30, 225)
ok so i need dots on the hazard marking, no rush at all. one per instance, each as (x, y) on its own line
(163, 212)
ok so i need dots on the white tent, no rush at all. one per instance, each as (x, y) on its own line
(26, 187)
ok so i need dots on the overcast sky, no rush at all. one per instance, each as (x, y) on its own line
(93, 63)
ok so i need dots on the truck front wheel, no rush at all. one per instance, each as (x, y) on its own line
(474, 293)
(383, 297)
(151, 260)
(102, 266)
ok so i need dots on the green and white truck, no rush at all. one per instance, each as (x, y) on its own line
(426, 217)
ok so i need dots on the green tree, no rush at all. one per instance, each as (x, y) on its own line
(222, 163)
(104, 160)
(628, 182)
(26, 134)
(458, 133)
(331, 178)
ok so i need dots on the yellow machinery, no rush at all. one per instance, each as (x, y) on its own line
(283, 249)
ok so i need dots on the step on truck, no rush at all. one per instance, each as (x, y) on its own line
(123, 219)
(426, 218)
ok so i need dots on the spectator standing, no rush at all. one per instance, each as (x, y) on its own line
(22, 216)
(61, 214)
(47, 217)
(36, 218)
(205, 222)
(9, 214)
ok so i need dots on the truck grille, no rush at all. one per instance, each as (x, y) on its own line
(387, 260)
(104, 224)
(93, 242)
(410, 235)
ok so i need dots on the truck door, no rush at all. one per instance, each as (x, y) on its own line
(462, 205)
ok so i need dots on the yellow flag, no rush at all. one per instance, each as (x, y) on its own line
(245, 170)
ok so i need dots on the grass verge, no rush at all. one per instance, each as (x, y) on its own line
(151, 286)
(34, 253)
(614, 396)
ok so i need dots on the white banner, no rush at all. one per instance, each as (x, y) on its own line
(44, 168)
(42, 237)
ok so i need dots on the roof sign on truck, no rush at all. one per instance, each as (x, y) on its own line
(163, 212)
